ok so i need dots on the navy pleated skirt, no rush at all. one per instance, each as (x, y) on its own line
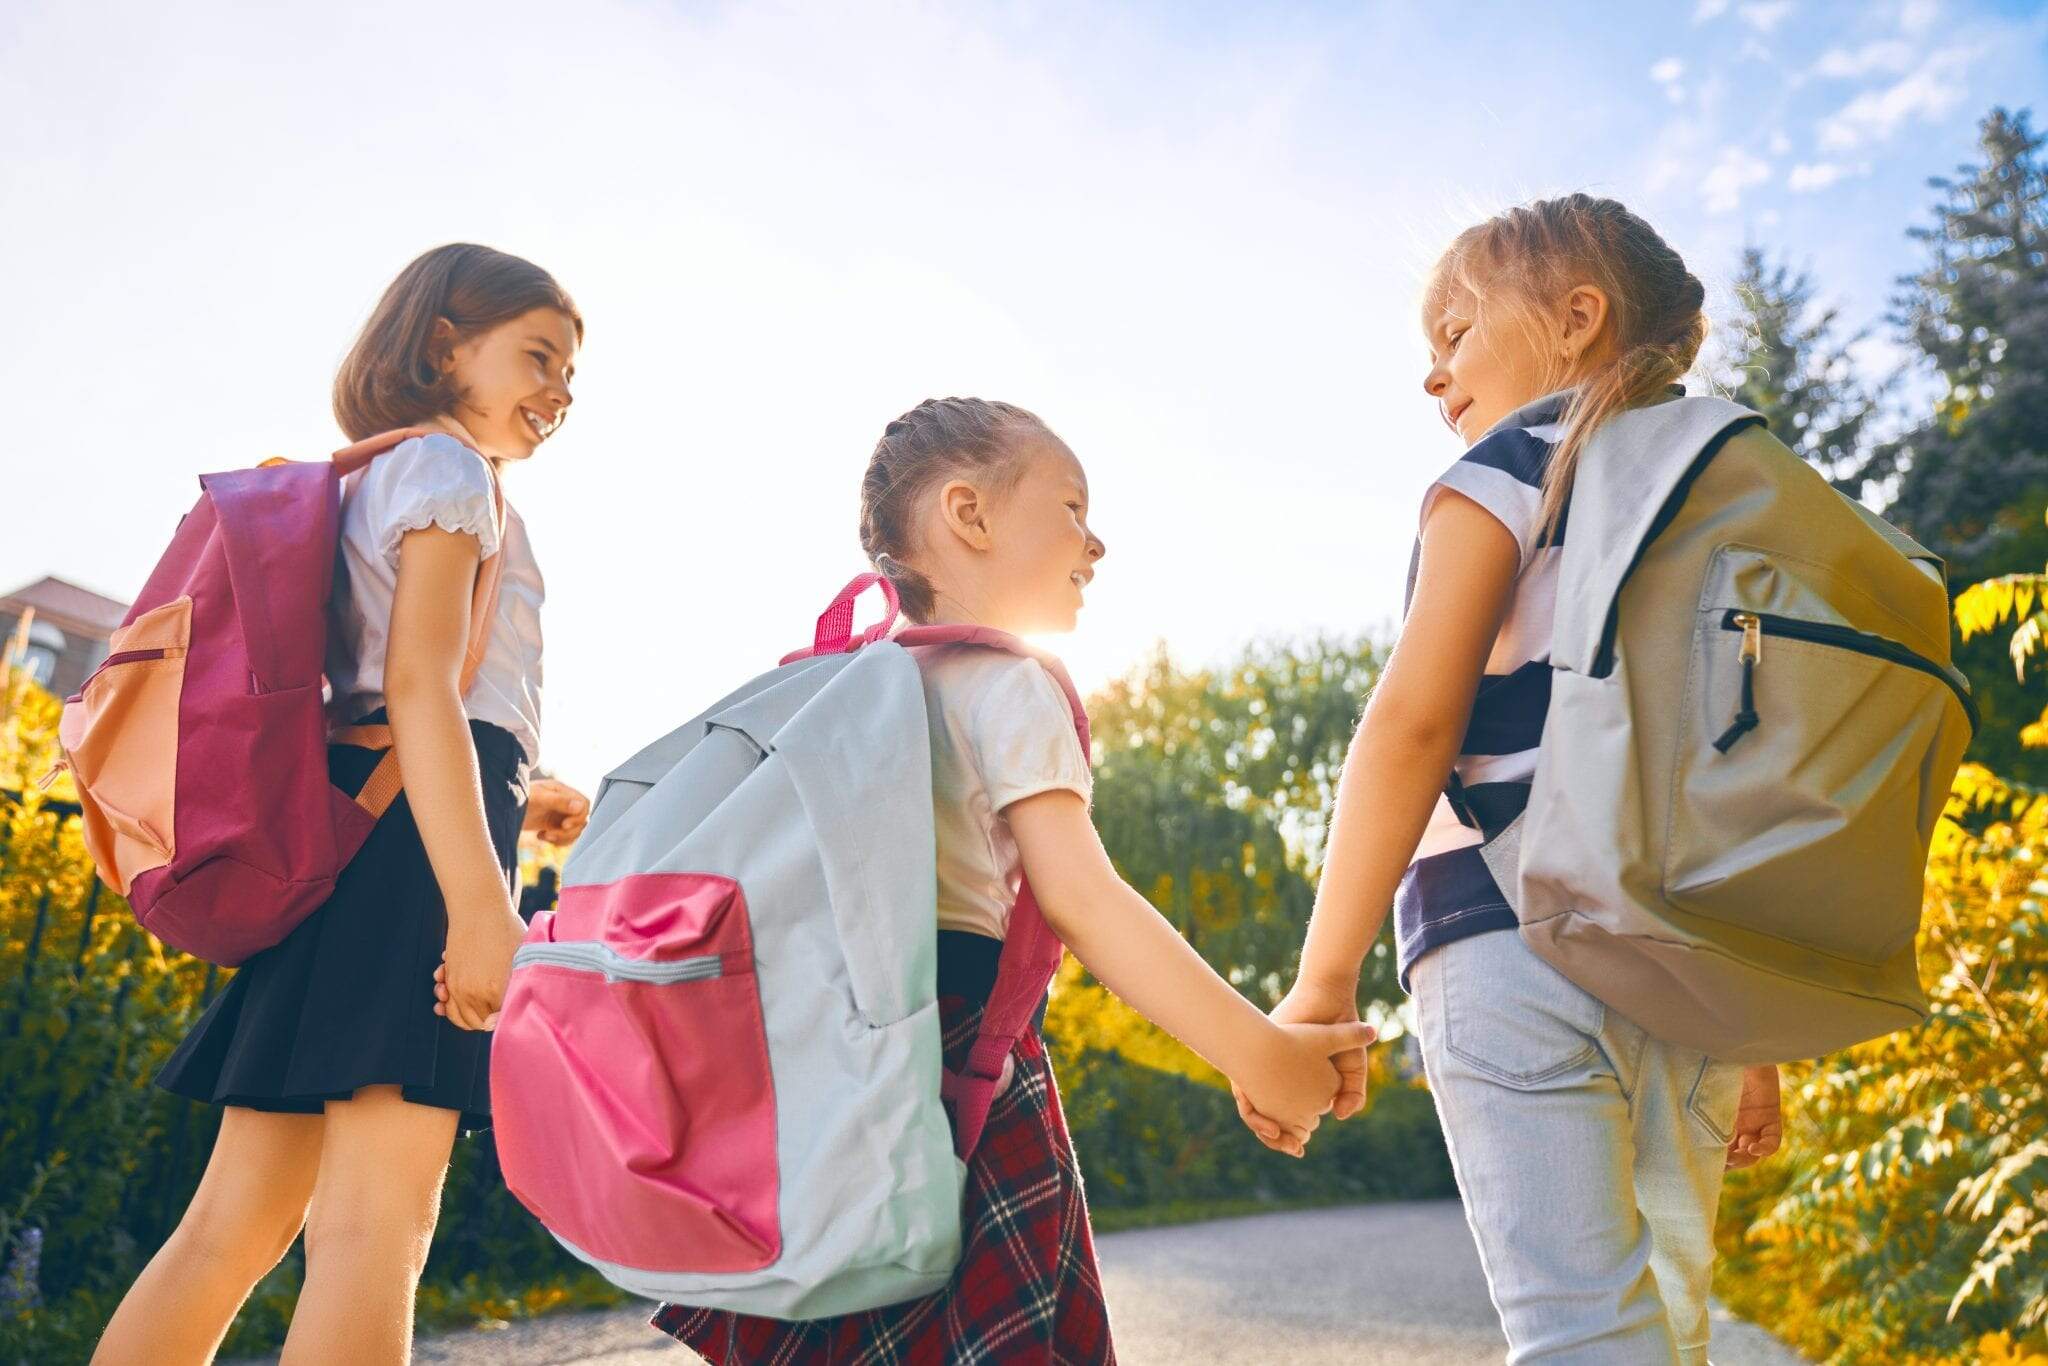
(346, 1000)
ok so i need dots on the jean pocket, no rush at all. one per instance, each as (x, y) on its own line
(1716, 1092)
(1509, 1014)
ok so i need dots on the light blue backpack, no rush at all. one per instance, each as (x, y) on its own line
(717, 1075)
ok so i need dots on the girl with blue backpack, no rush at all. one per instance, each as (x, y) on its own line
(978, 515)
(341, 1079)
(1589, 1152)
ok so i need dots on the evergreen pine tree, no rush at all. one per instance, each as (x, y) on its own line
(1784, 359)
(1975, 472)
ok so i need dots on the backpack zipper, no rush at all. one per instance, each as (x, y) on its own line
(615, 966)
(124, 657)
(1756, 625)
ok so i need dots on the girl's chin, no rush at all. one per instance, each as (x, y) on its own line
(1057, 623)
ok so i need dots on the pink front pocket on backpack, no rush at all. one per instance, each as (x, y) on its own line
(630, 1087)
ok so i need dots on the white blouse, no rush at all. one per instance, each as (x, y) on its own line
(433, 480)
(1000, 732)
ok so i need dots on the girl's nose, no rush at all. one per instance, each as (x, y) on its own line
(1436, 381)
(1096, 549)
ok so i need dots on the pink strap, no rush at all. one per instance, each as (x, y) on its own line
(1031, 951)
(1031, 955)
(835, 627)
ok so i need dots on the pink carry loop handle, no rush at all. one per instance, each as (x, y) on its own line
(835, 628)
(1031, 951)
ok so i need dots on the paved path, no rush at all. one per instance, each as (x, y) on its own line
(1395, 1283)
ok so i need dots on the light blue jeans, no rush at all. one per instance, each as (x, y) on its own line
(1588, 1153)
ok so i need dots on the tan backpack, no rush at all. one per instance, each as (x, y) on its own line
(1753, 725)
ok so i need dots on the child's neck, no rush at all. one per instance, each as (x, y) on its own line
(452, 425)
(952, 609)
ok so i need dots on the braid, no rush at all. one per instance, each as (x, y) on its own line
(936, 440)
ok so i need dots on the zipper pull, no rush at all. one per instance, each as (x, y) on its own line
(1752, 650)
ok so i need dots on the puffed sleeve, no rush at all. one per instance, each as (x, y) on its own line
(1022, 736)
(431, 480)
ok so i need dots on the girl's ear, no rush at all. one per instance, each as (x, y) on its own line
(965, 513)
(441, 339)
(1585, 319)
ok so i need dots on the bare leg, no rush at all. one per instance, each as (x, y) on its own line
(372, 1219)
(245, 1214)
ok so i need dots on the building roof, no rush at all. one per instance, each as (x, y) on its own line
(67, 606)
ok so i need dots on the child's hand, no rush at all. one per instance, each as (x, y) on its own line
(1308, 1003)
(1299, 1083)
(469, 985)
(1759, 1123)
(555, 812)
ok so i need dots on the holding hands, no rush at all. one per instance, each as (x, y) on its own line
(1321, 1071)
(485, 930)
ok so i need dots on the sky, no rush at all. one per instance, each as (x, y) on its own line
(1189, 235)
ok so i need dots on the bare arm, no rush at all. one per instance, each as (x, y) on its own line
(422, 692)
(1414, 723)
(1398, 764)
(1131, 948)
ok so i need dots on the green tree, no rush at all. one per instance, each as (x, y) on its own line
(1974, 474)
(1212, 788)
(1788, 361)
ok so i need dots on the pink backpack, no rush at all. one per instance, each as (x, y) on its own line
(199, 747)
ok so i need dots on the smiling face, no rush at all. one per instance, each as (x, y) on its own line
(1044, 555)
(1009, 547)
(1484, 362)
(514, 380)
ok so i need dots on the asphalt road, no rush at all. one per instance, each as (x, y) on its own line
(1368, 1284)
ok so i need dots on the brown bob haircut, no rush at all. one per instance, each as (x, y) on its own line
(392, 376)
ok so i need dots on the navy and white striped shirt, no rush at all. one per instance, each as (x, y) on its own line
(1447, 893)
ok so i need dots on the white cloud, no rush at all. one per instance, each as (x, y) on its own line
(1818, 175)
(1735, 172)
(1709, 9)
(1766, 15)
(1917, 16)
(1875, 115)
(1889, 55)
(1666, 74)
(1780, 144)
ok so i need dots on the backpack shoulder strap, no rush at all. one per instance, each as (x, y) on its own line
(1031, 951)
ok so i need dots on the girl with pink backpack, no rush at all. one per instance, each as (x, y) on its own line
(978, 516)
(342, 1081)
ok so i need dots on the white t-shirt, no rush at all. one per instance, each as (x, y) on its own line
(1001, 731)
(433, 480)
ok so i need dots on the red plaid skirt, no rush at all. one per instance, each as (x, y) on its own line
(1027, 1290)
